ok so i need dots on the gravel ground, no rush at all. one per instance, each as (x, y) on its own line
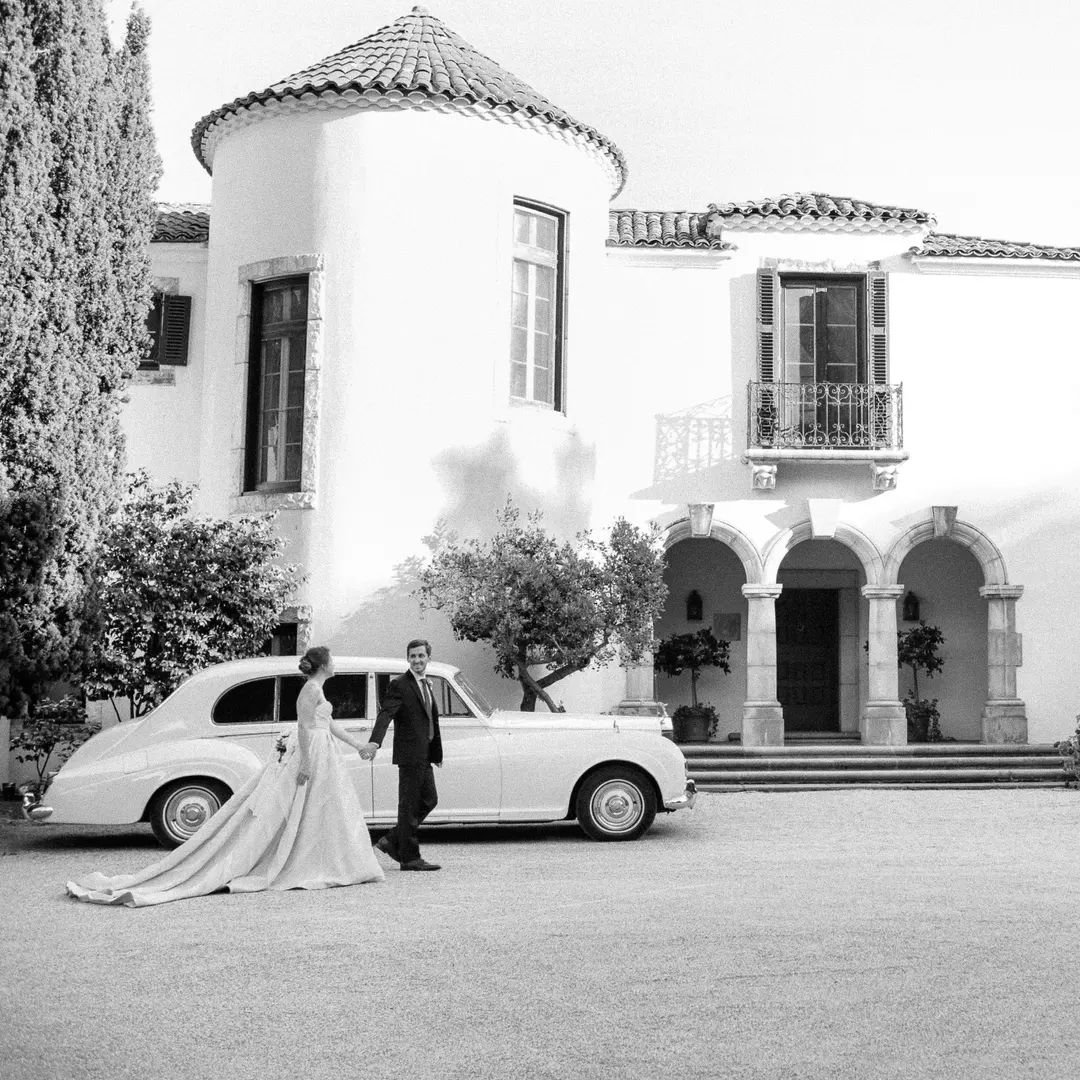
(862, 934)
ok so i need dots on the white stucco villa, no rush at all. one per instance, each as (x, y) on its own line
(415, 291)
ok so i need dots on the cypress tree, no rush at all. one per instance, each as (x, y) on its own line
(77, 175)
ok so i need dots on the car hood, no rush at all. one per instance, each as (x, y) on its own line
(545, 721)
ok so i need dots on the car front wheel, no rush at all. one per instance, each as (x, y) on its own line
(616, 803)
(179, 811)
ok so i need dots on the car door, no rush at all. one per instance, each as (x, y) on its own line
(470, 781)
(347, 692)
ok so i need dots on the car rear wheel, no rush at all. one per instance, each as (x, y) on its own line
(616, 803)
(179, 811)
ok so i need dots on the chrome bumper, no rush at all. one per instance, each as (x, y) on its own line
(32, 808)
(685, 801)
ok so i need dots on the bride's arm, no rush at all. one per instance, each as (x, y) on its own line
(339, 732)
(305, 725)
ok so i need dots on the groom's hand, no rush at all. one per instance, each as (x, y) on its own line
(367, 751)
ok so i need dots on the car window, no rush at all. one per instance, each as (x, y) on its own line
(478, 699)
(447, 698)
(289, 688)
(249, 703)
(348, 695)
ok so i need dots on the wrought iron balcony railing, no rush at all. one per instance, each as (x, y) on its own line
(825, 416)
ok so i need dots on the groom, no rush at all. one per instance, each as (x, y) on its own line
(410, 704)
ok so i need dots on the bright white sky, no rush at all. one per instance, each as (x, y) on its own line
(965, 108)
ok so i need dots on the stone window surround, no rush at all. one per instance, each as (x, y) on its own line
(313, 266)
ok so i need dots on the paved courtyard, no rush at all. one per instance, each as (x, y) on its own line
(863, 934)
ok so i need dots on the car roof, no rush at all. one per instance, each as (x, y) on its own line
(256, 666)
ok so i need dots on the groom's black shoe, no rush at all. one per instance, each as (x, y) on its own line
(419, 864)
(384, 845)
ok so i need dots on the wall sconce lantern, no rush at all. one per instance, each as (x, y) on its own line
(911, 608)
(700, 518)
(694, 607)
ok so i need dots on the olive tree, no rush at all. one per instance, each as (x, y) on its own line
(540, 602)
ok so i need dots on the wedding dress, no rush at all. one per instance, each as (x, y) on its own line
(272, 834)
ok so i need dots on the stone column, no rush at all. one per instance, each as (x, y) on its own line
(1004, 718)
(640, 699)
(763, 716)
(884, 721)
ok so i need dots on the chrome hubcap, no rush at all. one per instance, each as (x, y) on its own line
(617, 806)
(189, 810)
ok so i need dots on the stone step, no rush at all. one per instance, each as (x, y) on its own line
(930, 786)
(890, 776)
(694, 751)
(700, 766)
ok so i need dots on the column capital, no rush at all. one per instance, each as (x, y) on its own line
(882, 592)
(762, 592)
(1001, 592)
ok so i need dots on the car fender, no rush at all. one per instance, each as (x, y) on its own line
(117, 790)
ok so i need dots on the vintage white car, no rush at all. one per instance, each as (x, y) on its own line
(175, 766)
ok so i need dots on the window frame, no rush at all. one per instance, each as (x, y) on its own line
(520, 253)
(255, 418)
(823, 281)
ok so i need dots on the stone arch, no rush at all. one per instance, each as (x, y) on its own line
(864, 548)
(727, 534)
(967, 536)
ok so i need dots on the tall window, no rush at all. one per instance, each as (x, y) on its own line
(823, 330)
(536, 353)
(276, 384)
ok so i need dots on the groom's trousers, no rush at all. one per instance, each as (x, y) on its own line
(417, 797)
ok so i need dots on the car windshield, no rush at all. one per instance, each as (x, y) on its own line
(474, 695)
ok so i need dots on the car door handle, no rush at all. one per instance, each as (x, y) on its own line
(356, 729)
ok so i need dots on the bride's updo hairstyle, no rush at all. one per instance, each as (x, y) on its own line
(314, 658)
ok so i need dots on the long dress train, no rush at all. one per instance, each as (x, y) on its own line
(272, 834)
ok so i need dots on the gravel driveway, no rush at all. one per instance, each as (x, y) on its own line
(863, 934)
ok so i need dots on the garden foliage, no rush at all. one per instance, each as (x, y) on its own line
(78, 170)
(178, 592)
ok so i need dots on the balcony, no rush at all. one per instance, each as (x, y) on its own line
(834, 422)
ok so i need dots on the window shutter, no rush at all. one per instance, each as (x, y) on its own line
(877, 288)
(768, 297)
(877, 335)
(768, 301)
(175, 329)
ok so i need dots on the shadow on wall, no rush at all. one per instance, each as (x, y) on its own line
(694, 451)
(552, 472)
(476, 481)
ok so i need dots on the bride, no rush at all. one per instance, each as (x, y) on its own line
(296, 824)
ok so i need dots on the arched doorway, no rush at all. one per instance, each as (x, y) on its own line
(704, 577)
(943, 580)
(819, 631)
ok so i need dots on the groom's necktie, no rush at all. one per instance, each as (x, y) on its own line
(426, 687)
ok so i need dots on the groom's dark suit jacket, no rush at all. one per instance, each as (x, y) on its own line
(403, 705)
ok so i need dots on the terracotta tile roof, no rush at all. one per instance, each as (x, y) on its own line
(416, 59)
(813, 210)
(946, 244)
(660, 228)
(181, 223)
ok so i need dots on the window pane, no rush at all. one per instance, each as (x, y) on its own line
(547, 233)
(519, 307)
(296, 389)
(542, 385)
(249, 703)
(545, 282)
(294, 426)
(271, 393)
(518, 380)
(271, 356)
(521, 277)
(843, 305)
(841, 344)
(447, 699)
(289, 687)
(519, 349)
(521, 226)
(348, 695)
(293, 458)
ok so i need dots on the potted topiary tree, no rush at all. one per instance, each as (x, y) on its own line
(917, 649)
(697, 721)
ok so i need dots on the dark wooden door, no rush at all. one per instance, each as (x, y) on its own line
(808, 658)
